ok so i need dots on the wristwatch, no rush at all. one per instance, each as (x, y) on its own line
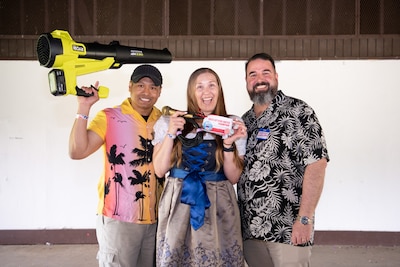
(305, 220)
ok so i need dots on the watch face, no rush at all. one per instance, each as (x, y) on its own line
(304, 220)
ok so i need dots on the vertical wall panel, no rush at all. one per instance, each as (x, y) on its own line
(306, 48)
(248, 17)
(224, 17)
(275, 48)
(187, 48)
(211, 48)
(179, 49)
(391, 17)
(298, 48)
(83, 20)
(355, 48)
(273, 17)
(34, 17)
(363, 48)
(347, 48)
(203, 48)
(379, 48)
(371, 47)
(283, 48)
(369, 17)
(396, 47)
(322, 47)
(10, 17)
(219, 48)
(345, 17)
(200, 14)
(153, 17)
(195, 48)
(296, 17)
(227, 49)
(178, 17)
(58, 15)
(259, 45)
(243, 48)
(236, 48)
(290, 48)
(339, 48)
(320, 17)
(108, 15)
(330, 48)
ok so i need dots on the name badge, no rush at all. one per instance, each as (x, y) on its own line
(263, 134)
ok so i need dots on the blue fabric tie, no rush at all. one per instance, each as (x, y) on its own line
(194, 192)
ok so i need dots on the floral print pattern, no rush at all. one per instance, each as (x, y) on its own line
(282, 141)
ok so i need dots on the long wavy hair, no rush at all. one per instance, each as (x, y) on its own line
(193, 108)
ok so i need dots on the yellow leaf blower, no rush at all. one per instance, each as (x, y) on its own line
(70, 59)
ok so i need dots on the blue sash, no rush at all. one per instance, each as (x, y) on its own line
(194, 192)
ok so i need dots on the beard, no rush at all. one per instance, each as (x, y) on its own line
(263, 97)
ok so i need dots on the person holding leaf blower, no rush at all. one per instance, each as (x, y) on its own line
(199, 222)
(128, 189)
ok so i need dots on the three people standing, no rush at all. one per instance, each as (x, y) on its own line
(277, 155)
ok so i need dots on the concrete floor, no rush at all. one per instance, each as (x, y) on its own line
(85, 256)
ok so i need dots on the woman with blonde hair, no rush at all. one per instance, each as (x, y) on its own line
(199, 221)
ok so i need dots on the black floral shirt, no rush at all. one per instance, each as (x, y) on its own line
(281, 143)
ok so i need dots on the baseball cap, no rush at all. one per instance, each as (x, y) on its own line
(147, 71)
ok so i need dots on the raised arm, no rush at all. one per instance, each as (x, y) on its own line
(83, 142)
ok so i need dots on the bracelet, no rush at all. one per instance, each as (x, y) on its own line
(81, 116)
(229, 149)
(172, 136)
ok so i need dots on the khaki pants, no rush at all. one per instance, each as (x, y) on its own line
(123, 244)
(269, 254)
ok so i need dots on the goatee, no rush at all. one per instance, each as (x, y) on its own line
(263, 97)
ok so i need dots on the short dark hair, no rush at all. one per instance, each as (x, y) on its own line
(263, 56)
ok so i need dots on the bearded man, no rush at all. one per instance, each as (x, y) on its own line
(285, 161)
